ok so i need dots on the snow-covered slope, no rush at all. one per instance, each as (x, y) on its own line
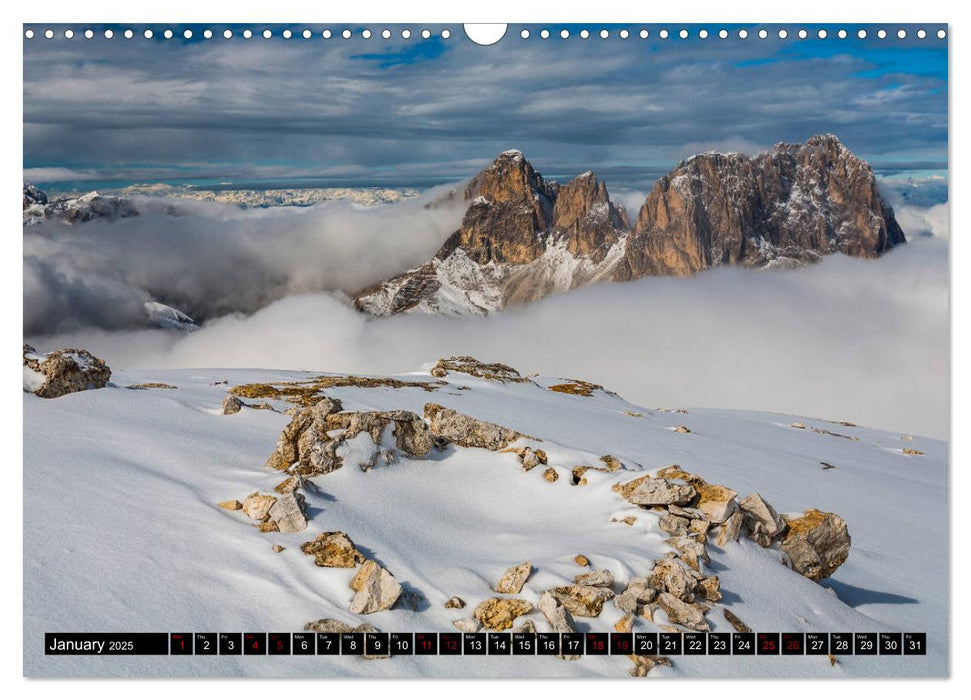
(122, 529)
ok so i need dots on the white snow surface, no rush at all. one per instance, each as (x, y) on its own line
(122, 531)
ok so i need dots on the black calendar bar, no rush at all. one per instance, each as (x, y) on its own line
(765, 644)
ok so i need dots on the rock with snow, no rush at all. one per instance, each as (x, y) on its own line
(582, 601)
(595, 578)
(467, 624)
(731, 529)
(375, 589)
(63, 372)
(816, 543)
(498, 614)
(514, 579)
(763, 522)
(679, 612)
(659, 492)
(455, 603)
(333, 549)
(690, 550)
(466, 431)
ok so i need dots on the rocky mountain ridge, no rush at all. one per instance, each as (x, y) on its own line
(523, 238)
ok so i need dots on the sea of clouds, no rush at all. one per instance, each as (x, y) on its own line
(848, 339)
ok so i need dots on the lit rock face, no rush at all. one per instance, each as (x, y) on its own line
(786, 207)
(524, 238)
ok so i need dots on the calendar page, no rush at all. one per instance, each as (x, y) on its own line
(493, 351)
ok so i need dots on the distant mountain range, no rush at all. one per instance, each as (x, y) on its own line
(523, 238)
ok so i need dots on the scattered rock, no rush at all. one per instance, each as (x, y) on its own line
(578, 387)
(577, 476)
(715, 501)
(603, 578)
(467, 624)
(674, 525)
(611, 463)
(691, 551)
(731, 529)
(636, 596)
(763, 522)
(269, 526)
(466, 431)
(293, 484)
(550, 475)
(679, 612)
(650, 491)
(333, 549)
(455, 603)
(798, 426)
(817, 544)
(527, 627)
(909, 451)
(682, 429)
(671, 576)
(558, 617)
(231, 505)
(627, 520)
(257, 505)
(625, 624)
(278, 548)
(582, 601)
(531, 457)
(515, 577)
(735, 622)
(644, 664)
(498, 613)
(376, 589)
(907, 438)
(63, 372)
(581, 560)
(151, 385)
(709, 589)
(232, 404)
(288, 513)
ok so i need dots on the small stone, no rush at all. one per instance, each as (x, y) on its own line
(515, 577)
(798, 426)
(660, 492)
(611, 463)
(709, 589)
(735, 622)
(376, 589)
(581, 560)
(691, 551)
(674, 525)
(333, 549)
(731, 529)
(682, 429)
(231, 505)
(627, 520)
(231, 405)
(625, 624)
(292, 484)
(278, 548)
(468, 624)
(455, 603)
(595, 578)
(550, 474)
(582, 601)
(527, 627)
(758, 511)
(288, 514)
(498, 613)
(671, 576)
(257, 505)
(269, 526)
(681, 613)
(644, 664)
(910, 451)
(328, 625)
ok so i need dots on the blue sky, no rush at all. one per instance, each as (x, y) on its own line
(417, 112)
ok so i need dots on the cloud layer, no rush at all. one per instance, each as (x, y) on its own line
(847, 339)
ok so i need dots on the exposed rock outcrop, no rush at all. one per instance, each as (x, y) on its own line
(466, 431)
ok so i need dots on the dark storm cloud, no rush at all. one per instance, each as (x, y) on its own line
(378, 110)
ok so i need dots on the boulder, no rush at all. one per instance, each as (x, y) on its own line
(333, 549)
(288, 513)
(63, 372)
(498, 613)
(466, 431)
(650, 491)
(515, 577)
(232, 404)
(602, 578)
(715, 501)
(682, 613)
(763, 522)
(816, 543)
(376, 589)
(582, 601)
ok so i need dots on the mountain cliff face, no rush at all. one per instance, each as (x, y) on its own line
(787, 206)
(523, 238)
